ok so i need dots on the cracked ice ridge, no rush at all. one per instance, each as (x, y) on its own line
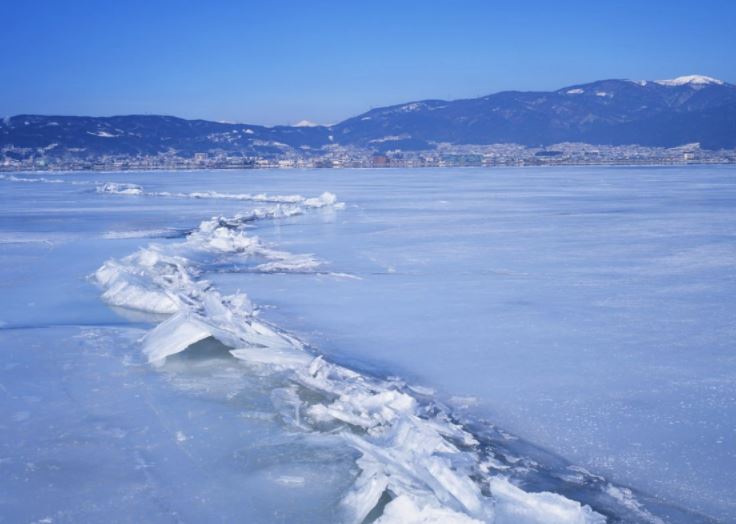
(413, 451)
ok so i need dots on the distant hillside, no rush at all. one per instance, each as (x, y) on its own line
(612, 112)
(152, 134)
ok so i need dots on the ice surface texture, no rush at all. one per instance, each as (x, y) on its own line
(429, 466)
(587, 310)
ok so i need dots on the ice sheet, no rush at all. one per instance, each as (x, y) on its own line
(425, 461)
(496, 291)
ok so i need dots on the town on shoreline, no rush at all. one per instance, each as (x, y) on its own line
(444, 155)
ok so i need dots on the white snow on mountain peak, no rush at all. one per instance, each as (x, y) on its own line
(306, 123)
(696, 80)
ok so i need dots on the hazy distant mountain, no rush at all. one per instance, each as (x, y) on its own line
(151, 134)
(615, 112)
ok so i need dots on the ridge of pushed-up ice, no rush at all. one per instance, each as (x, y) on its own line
(429, 466)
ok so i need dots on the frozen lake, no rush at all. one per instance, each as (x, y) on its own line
(559, 330)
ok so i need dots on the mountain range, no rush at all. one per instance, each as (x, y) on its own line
(664, 113)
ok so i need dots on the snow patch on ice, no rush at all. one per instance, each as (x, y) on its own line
(120, 189)
(325, 199)
(290, 480)
(405, 510)
(140, 233)
(513, 505)
(31, 179)
(25, 238)
(284, 199)
(627, 499)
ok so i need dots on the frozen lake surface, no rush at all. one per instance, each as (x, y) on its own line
(524, 345)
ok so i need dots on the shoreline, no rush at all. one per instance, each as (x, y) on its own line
(120, 169)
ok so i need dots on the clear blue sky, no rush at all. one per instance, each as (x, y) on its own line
(282, 61)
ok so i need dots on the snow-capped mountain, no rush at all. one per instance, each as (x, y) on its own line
(663, 113)
(656, 113)
(691, 80)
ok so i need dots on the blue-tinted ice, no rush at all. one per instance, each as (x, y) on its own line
(507, 344)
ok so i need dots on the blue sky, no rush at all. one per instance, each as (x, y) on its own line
(282, 61)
